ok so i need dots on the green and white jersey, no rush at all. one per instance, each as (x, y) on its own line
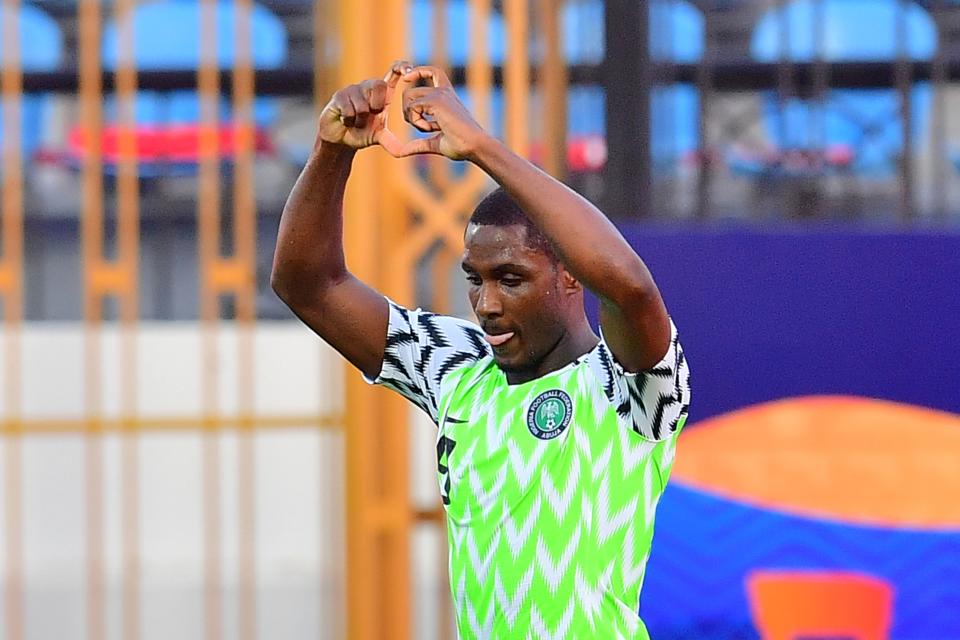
(550, 486)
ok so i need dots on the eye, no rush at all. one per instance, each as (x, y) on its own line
(511, 281)
(473, 279)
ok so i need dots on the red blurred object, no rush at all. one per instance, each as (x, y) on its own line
(791, 604)
(176, 144)
(585, 154)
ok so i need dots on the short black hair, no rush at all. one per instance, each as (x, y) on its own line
(499, 209)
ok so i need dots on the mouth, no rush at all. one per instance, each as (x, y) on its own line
(499, 339)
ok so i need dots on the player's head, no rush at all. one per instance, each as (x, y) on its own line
(516, 283)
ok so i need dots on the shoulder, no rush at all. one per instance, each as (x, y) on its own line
(654, 402)
(423, 349)
(436, 330)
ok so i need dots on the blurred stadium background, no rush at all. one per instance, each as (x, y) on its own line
(181, 459)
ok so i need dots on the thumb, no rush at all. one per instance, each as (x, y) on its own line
(421, 146)
(389, 141)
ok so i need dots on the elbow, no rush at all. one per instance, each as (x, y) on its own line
(634, 287)
(637, 296)
(299, 286)
(278, 284)
(280, 281)
(289, 284)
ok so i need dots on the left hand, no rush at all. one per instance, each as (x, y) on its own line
(438, 109)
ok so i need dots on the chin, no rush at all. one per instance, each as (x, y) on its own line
(512, 365)
(507, 364)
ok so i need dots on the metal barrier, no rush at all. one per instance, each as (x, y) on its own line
(118, 278)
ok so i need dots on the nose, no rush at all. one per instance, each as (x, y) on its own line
(488, 301)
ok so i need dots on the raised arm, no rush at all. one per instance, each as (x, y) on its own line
(632, 314)
(309, 272)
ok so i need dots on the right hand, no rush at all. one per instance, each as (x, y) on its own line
(356, 116)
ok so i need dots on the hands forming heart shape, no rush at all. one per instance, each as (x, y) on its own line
(356, 116)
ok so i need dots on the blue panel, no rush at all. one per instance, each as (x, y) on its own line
(41, 48)
(704, 547)
(866, 121)
(41, 43)
(677, 31)
(586, 109)
(677, 34)
(583, 32)
(852, 30)
(458, 33)
(674, 124)
(769, 315)
(168, 37)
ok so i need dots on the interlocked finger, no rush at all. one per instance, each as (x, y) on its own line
(416, 116)
(392, 78)
(435, 75)
(375, 92)
(418, 113)
(361, 107)
(344, 107)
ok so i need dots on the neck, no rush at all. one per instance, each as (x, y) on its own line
(578, 340)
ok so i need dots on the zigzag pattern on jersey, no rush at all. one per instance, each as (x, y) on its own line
(526, 533)
(634, 396)
(696, 530)
(422, 348)
(548, 538)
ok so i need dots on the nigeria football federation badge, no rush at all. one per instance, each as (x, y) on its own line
(549, 414)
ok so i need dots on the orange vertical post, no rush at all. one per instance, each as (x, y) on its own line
(479, 69)
(363, 598)
(208, 218)
(516, 76)
(378, 509)
(96, 275)
(393, 441)
(244, 233)
(11, 288)
(553, 91)
(102, 278)
(325, 22)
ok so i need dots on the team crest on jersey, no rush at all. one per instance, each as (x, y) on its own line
(549, 414)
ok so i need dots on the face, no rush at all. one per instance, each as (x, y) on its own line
(518, 294)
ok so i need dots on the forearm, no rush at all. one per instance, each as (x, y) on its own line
(588, 244)
(309, 250)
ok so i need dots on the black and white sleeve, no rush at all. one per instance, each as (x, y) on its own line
(654, 402)
(421, 349)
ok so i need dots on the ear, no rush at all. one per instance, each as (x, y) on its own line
(568, 284)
